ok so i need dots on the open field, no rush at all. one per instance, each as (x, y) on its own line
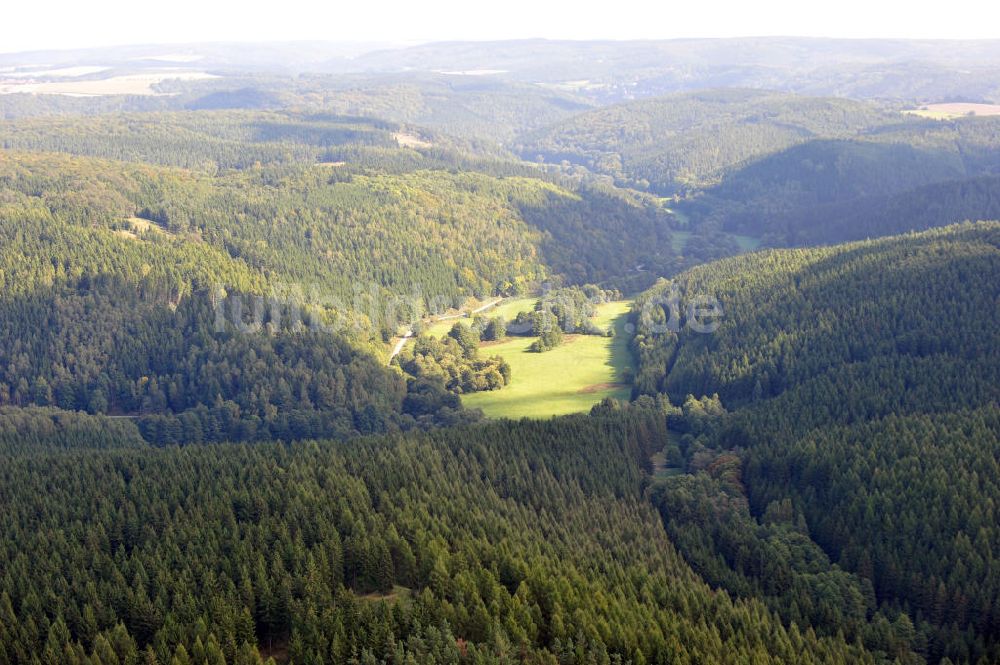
(509, 309)
(568, 379)
(746, 243)
(506, 308)
(955, 110)
(679, 240)
(130, 84)
(660, 467)
(139, 226)
(406, 140)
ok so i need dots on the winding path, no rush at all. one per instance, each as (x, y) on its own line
(401, 342)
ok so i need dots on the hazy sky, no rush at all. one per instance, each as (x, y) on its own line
(43, 24)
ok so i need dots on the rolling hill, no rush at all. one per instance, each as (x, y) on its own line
(846, 371)
(693, 140)
(285, 354)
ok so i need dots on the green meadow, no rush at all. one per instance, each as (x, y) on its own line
(679, 240)
(746, 243)
(568, 379)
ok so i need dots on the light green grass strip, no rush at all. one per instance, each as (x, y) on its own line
(568, 379)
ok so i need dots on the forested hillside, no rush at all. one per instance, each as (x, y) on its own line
(784, 168)
(479, 108)
(926, 207)
(767, 197)
(486, 110)
(206, 140)
(303, 224)
(240, 138)
(857, 378)
(527, 541)
(802, 315)
(683, 142)
(227, 436)
(116, 277)
(319, 226)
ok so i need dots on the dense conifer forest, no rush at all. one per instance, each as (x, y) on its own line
(522, 540)
(843, 399)
(226, 436)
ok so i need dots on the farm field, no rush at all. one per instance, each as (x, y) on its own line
(568, 379)
(129, 84)
(956, 110)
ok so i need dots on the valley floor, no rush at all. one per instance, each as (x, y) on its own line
(570, 378)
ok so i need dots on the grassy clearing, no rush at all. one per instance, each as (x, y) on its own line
(682, 218)
(746, 243)
(951, 110)
(398, 593)
(932, 115)
(139, 226)
(509, 309)
(129, 84)
(411, 141)
(439, 328)
(679, 240)
(660, 467)
(568, 379)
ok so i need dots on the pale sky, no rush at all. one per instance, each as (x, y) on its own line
(45, 24)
